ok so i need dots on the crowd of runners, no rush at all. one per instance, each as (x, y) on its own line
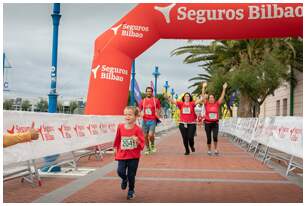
(131, 139)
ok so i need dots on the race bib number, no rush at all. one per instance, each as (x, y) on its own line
(212, 115)
(148, 111)
(186, 110)
(128, 143)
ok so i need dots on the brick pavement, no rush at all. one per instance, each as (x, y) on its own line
(14, 191)
(170, 176)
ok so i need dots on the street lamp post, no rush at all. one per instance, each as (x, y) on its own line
(52, 104)
(155, 74)
(172, 107)
(53, 95)
(132, 100)
(172, 92)
(166, 86)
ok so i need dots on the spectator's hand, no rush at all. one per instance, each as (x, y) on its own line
(34, 134)
(225, 85)
(204, 84)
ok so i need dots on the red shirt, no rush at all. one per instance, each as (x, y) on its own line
(126, 146)
(187, 113)
(149, 108)
(212, 112)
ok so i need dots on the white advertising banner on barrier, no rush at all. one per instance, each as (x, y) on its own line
(246, 128)
(281, 133)
(242, 128)
(60, 133)
(286, 135)
(262, 130)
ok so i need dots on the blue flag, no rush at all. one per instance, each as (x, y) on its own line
(232, 98)
(137, 93)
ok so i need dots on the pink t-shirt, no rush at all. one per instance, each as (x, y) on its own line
(148, 107)
(212, 112)
(187, 112)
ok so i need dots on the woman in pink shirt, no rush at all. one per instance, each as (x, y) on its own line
(212, 117)
(187, 124)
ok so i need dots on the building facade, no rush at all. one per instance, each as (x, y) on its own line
(279, 104)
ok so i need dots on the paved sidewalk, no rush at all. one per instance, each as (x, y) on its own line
(170, 176)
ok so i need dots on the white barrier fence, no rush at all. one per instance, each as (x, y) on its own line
(60, 133)
(281, 133)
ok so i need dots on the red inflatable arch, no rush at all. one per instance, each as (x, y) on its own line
(116, 48)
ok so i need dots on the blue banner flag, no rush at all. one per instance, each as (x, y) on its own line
(137, 92)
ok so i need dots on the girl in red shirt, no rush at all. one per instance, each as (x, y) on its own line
(129, 142)
(212, 117)
(187, 124)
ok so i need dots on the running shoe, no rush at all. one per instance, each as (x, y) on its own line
(216, 152)
(131, 194)
(153, 148)
(187, 153)
(124, 184)
(209, 153)
(148, 151)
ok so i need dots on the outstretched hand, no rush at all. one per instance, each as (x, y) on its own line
(225, 85)
(204, 84)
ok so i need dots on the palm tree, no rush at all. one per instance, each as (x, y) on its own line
(216, 59)
(254, 67)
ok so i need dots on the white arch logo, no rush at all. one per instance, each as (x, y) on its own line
(115, 29)
(165, 11)
(95, 70)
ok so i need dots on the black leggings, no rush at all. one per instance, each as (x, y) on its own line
(188, 135)
(211, 127)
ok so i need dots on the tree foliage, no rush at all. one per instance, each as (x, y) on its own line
(8, 104)
(72, 106)
(253, 68)
(42, 105)
(26, 105)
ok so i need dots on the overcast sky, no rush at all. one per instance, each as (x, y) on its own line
(27, 42)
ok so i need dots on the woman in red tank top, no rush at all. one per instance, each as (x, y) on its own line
(212, 118)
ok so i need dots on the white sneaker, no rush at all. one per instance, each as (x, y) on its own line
(148, 151)
(209, 153)
(216, 152)
(153, 148)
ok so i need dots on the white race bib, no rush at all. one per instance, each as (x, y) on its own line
(148, 111)
(186, 110)
(128, 143)
(212, 115)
